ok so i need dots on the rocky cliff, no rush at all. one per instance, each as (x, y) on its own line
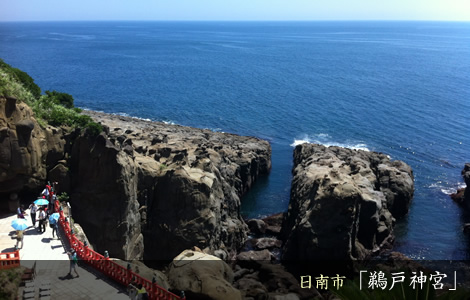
(163, 188)
(27, 151)
(343, 203)
(140, 189)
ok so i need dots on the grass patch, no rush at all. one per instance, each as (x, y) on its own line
(54, 108)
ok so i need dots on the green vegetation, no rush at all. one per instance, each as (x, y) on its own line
(63, 197)
(54, 108)
(9, 282)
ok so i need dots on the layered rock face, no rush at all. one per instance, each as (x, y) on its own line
(163, 187)
(343, 202)
(27, 151)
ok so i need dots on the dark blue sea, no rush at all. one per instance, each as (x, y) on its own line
(402, 88)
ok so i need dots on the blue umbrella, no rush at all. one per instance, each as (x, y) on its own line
(19, 224)
(53, 218)
(41, 201)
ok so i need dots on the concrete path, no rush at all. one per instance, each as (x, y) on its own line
(52, 266)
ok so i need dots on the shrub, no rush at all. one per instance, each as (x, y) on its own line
(54, 108)
(64, 99)
(28, 82)
(63, 197)
(94, 128)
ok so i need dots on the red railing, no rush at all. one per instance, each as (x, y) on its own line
(9, 260)
(120, 274)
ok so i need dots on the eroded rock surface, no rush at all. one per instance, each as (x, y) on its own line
(202, 276)
(343, 202)
(163, 188)
(27, 151)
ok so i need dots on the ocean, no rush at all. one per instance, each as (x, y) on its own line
(401, 88)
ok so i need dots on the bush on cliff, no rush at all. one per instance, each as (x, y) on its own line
(54, 108)
(64, 99)
(22, 78)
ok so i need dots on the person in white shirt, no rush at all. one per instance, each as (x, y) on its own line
(33, 209)
(42, 220)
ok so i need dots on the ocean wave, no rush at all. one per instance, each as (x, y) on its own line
(447, 188)
(89, 109)
(133, 117)
(326, 140)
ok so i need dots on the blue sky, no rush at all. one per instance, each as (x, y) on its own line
(53, 10)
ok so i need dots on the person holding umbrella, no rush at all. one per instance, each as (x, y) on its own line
(42, 214)
(19, 238)
(53, 218)
(19, 225)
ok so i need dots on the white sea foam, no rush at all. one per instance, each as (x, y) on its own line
(447, 188)
(451, 190)
(129, 116)
(326, 140)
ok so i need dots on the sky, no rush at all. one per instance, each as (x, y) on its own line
(240, 10)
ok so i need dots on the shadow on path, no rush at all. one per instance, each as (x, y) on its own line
(66, 277)
(8, 250)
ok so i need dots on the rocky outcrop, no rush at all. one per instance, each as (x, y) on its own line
(163, 188)
(27, 151)
(466, 178)
(343, 203)
(263, 280)
(202, 276)
(139, 184)
(462, 196)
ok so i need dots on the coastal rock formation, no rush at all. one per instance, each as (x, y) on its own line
(263, 280)
(343, 203)
(27, 151)
(202, 276)
(163, 188)
(137, 185)
(466, 178)
(462, 196)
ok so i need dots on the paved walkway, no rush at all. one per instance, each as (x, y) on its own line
(52, 265)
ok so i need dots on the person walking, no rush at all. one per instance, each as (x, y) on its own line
(32, 210)
(73, 262)
(21, 214)
(141, 292)
(42, 220)
(19, 238)
(132, 291)
(53, 225)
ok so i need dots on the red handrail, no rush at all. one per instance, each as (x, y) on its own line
(108, 267)
(9, 260)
